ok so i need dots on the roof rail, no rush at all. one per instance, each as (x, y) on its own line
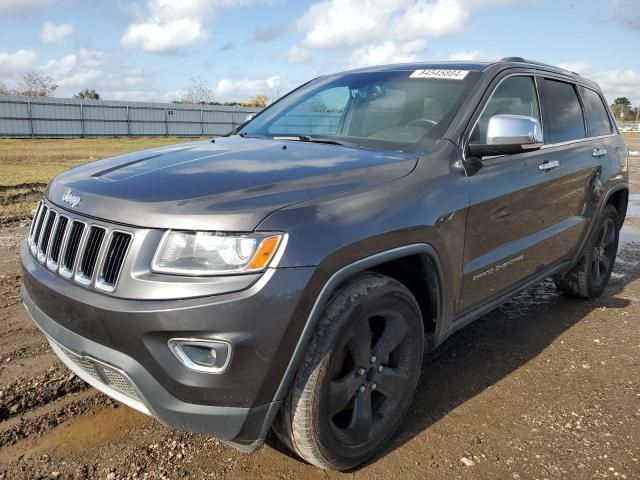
(533, 62)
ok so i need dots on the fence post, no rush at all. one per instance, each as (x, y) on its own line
(166, 122)
(202, 122)
(30, 117)
(128, 123)
(82, 119)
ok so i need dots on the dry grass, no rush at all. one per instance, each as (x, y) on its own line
(27, 165)
(633, 141)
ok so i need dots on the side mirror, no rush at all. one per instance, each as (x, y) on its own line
(509, 134)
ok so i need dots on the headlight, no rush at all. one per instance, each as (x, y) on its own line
(212, 253)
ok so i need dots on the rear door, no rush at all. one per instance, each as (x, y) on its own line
(510, 224)
(582, 163)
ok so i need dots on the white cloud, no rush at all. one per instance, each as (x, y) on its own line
(229, 89)
(297, 54)
(52, 33)
(388, 52)
(20, 61)
(619, 82)
(166, 36)
(166, 26)
(21, 7)
(474, 56)
(108, 74)
(356, 23)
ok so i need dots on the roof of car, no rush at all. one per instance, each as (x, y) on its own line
(508, 62)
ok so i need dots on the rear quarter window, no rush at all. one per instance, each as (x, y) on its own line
(564, 113)
(598, 122)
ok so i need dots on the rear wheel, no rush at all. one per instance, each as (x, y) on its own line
(358, 376)
(589, 277)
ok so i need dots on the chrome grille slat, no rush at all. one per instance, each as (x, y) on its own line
(43, 243)
(85, 252)
(56, 242)
(90, 253)
(35, 220)
(117, 250)
(71, 248)
(36, 234)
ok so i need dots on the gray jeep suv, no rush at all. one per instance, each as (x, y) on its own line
(290, 275)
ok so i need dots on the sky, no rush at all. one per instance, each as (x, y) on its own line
(151, 49)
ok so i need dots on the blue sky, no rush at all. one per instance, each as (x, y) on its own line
(150, 49)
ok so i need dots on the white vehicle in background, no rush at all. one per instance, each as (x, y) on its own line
(627, 127)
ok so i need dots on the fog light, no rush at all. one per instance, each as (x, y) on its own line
(208, 356)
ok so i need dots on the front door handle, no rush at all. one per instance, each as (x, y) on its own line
(599, 152)
(546, 165)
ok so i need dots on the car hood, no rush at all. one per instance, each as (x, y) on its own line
(230, 184)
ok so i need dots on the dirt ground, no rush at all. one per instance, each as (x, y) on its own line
(545, 387)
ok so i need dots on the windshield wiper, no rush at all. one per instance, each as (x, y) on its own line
(310, 139)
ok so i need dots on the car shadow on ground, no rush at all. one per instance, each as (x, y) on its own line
(492, 347)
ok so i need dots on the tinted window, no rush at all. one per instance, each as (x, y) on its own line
(564, 114)
(515, 96)
(597, 117)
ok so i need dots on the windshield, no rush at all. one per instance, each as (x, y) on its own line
(395, 110)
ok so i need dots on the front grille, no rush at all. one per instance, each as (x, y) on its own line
(87, 253)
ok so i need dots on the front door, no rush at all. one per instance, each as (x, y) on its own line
(510, 224)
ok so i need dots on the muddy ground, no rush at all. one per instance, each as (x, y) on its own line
(544, 387)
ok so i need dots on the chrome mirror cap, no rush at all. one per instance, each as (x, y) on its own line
(514, 130)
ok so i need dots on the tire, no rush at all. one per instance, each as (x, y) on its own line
(589, 277)
(358, 376)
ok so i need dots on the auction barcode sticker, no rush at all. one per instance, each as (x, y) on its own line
(445, 74)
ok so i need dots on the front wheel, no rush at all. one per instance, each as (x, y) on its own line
(358, 377)
(589, 277)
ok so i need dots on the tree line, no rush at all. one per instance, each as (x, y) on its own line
(200, 92)
(624, 111)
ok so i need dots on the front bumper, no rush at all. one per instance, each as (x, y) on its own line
(120, 347)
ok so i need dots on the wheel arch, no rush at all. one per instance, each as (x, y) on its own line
(390, 262)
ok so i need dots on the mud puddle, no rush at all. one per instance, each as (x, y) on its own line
(97, 426)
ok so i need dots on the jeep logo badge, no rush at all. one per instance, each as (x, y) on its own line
(71, 199)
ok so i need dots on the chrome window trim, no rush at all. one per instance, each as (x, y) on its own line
(99, 282)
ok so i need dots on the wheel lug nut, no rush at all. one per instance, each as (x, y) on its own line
(361, 388)
(373, 386)
(380, 368)
(373, 359)
(361, 371)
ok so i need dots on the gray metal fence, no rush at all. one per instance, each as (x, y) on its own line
(63, 117)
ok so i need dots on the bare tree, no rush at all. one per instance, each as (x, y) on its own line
(200, 91)
(34, 84)
(3, 89)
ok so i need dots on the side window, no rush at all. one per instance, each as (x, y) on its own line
(564, 114)
(597, 118)
(318, 115)
(515, 96)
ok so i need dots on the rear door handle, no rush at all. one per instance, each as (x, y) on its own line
(599, 152)
(546, 165)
